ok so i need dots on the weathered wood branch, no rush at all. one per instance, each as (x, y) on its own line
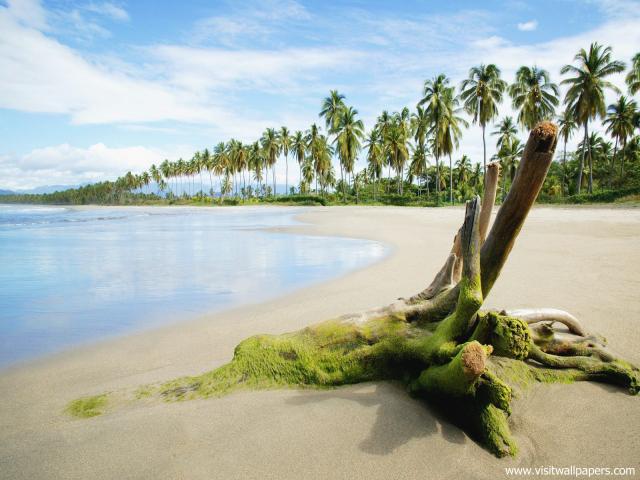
(489, 198)
(536, 315)
(526, 185)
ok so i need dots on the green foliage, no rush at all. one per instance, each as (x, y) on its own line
(606, 196)
(298, 200)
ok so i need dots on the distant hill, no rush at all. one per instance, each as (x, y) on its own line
(41, 189)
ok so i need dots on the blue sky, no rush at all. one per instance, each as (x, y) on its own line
(91, 89)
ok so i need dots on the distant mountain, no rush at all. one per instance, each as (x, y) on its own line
(41, 189)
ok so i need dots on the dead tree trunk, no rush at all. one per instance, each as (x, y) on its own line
(439, 342)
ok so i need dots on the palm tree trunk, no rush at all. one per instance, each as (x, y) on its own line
(590, 167)
(266, 179)
(344, 193)
(388, 177)
(210, 184)
(286, 175)
(484, 152)
(624, 151)
(584, 149)
(613, 163)
(564, 163)
(437, 177)
(450, 180)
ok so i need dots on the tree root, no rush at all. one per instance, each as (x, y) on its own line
(438, 342)
(535, 315)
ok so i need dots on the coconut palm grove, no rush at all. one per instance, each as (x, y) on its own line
(412, 155)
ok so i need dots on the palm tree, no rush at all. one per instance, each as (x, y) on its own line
(285, 144)
(220, 161)
(322, 163)
(397, 151)
(207, 163)
(383, 124)
(313, 139)
(332, 107)
(166, 169)
(633, 77)
(299, 147)
(234, 147)
(375, 157)
(145, 178)
(476, 178)
(585, 97)
(464, 169)
(271, 148)
(534, 96)
(620, 125)
(197, 166)
(598, 148)
(506, 132)
(434, 94)
(420, 125)
(450, 131)
(307, 174)
(509, 157)
(418, 165)
(349, 132)
(255, 164)
(568, 125)
(181, 170)
(481, 94)
(156, 176)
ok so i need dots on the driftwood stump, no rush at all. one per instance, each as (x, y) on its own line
(439, 342)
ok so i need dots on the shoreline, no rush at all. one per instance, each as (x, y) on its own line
(370, 430)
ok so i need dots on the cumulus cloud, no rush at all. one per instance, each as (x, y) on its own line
(529, 26)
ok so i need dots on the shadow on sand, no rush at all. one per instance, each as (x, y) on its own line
(399, 419)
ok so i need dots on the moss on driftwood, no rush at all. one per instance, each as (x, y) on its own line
(438, 342)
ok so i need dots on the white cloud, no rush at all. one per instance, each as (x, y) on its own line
(108, 9)
(249, 21)
(490, 42)
(529, 26)
(27, 12)
(68, 165)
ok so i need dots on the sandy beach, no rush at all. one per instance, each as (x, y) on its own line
(582, 260)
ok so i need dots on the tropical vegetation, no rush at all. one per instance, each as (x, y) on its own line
(402, 157)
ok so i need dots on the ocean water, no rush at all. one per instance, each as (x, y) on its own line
(71, 275)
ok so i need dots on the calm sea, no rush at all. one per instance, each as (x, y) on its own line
(71, 275)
